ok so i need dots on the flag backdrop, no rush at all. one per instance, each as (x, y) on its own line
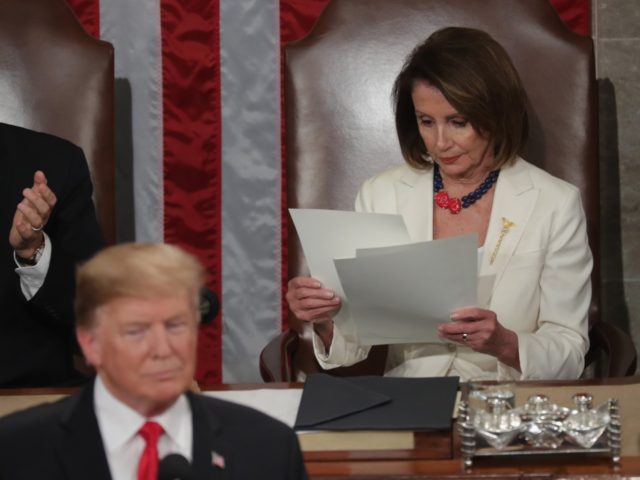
(203, 105)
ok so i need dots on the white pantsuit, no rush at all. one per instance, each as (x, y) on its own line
(542, 269)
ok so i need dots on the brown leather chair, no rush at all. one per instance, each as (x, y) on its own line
(57, 79)
(340, 127)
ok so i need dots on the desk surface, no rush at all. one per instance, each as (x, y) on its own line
(452, 469)
(436, 455)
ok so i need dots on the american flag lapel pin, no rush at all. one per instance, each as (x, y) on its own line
(217, 460)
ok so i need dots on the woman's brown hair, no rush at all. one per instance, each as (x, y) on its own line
(477, 77)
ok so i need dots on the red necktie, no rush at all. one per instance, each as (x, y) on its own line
(148, 466)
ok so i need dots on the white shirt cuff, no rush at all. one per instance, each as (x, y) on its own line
(32, 277)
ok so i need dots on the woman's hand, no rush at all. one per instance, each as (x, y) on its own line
(480, 330)
(312, 303)
(309, 301)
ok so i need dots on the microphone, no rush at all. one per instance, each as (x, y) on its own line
(175, 467)
(209, 305)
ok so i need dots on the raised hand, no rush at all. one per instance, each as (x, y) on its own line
(31, 216)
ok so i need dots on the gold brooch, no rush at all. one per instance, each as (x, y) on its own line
(506, 226)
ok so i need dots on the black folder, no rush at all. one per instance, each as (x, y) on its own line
(376, 403)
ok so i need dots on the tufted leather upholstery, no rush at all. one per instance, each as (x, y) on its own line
(57, 79)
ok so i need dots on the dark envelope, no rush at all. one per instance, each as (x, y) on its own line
(376, 403)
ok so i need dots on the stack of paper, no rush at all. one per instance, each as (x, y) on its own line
(393, 290)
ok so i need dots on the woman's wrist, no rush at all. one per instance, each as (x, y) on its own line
(324, 330)
(510, 356)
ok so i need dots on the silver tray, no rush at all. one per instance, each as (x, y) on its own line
(474, 446)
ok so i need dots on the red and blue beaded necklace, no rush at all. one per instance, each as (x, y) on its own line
(454, 205)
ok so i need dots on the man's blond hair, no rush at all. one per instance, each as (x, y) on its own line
(135, 270)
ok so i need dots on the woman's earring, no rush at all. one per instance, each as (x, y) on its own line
(427, 158)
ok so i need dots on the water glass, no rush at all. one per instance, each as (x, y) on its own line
(481, 389)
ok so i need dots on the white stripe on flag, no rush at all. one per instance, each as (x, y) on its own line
(134, 29)
(250, 104)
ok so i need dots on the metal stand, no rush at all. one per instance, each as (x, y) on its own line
(609, 445)
(467, 434)
(614, 431)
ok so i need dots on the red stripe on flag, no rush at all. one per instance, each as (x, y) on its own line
(284, 213)
(575, 14)
(191, 149)
(88, 12)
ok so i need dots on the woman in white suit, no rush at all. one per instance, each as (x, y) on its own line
(461, 121)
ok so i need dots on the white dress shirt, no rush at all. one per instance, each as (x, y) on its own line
(32, 277)
(119, 425)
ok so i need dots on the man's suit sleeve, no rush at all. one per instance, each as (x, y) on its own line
(75, 236)
(297, 470)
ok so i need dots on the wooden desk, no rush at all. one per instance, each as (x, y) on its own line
(443, 459)
(436, 455)
(452, 469)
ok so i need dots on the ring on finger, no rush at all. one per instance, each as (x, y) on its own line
(465, 337)
(37, 229)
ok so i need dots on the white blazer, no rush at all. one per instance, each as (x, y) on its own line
(542, 268)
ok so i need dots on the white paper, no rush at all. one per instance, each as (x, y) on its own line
(279, 403)
(393, 291)
(400, 294)
(329, 234)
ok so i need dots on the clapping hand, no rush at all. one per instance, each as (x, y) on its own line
(31, 216)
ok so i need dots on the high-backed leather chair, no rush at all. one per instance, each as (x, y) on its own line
(340, 127)
(57, 79)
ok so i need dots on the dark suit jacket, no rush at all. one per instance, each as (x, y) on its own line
(36, 337)
(62, 441)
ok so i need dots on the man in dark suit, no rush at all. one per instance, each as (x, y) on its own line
(137, 313)
(49, 225)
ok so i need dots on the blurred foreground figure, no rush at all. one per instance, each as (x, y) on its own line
(137, 311)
